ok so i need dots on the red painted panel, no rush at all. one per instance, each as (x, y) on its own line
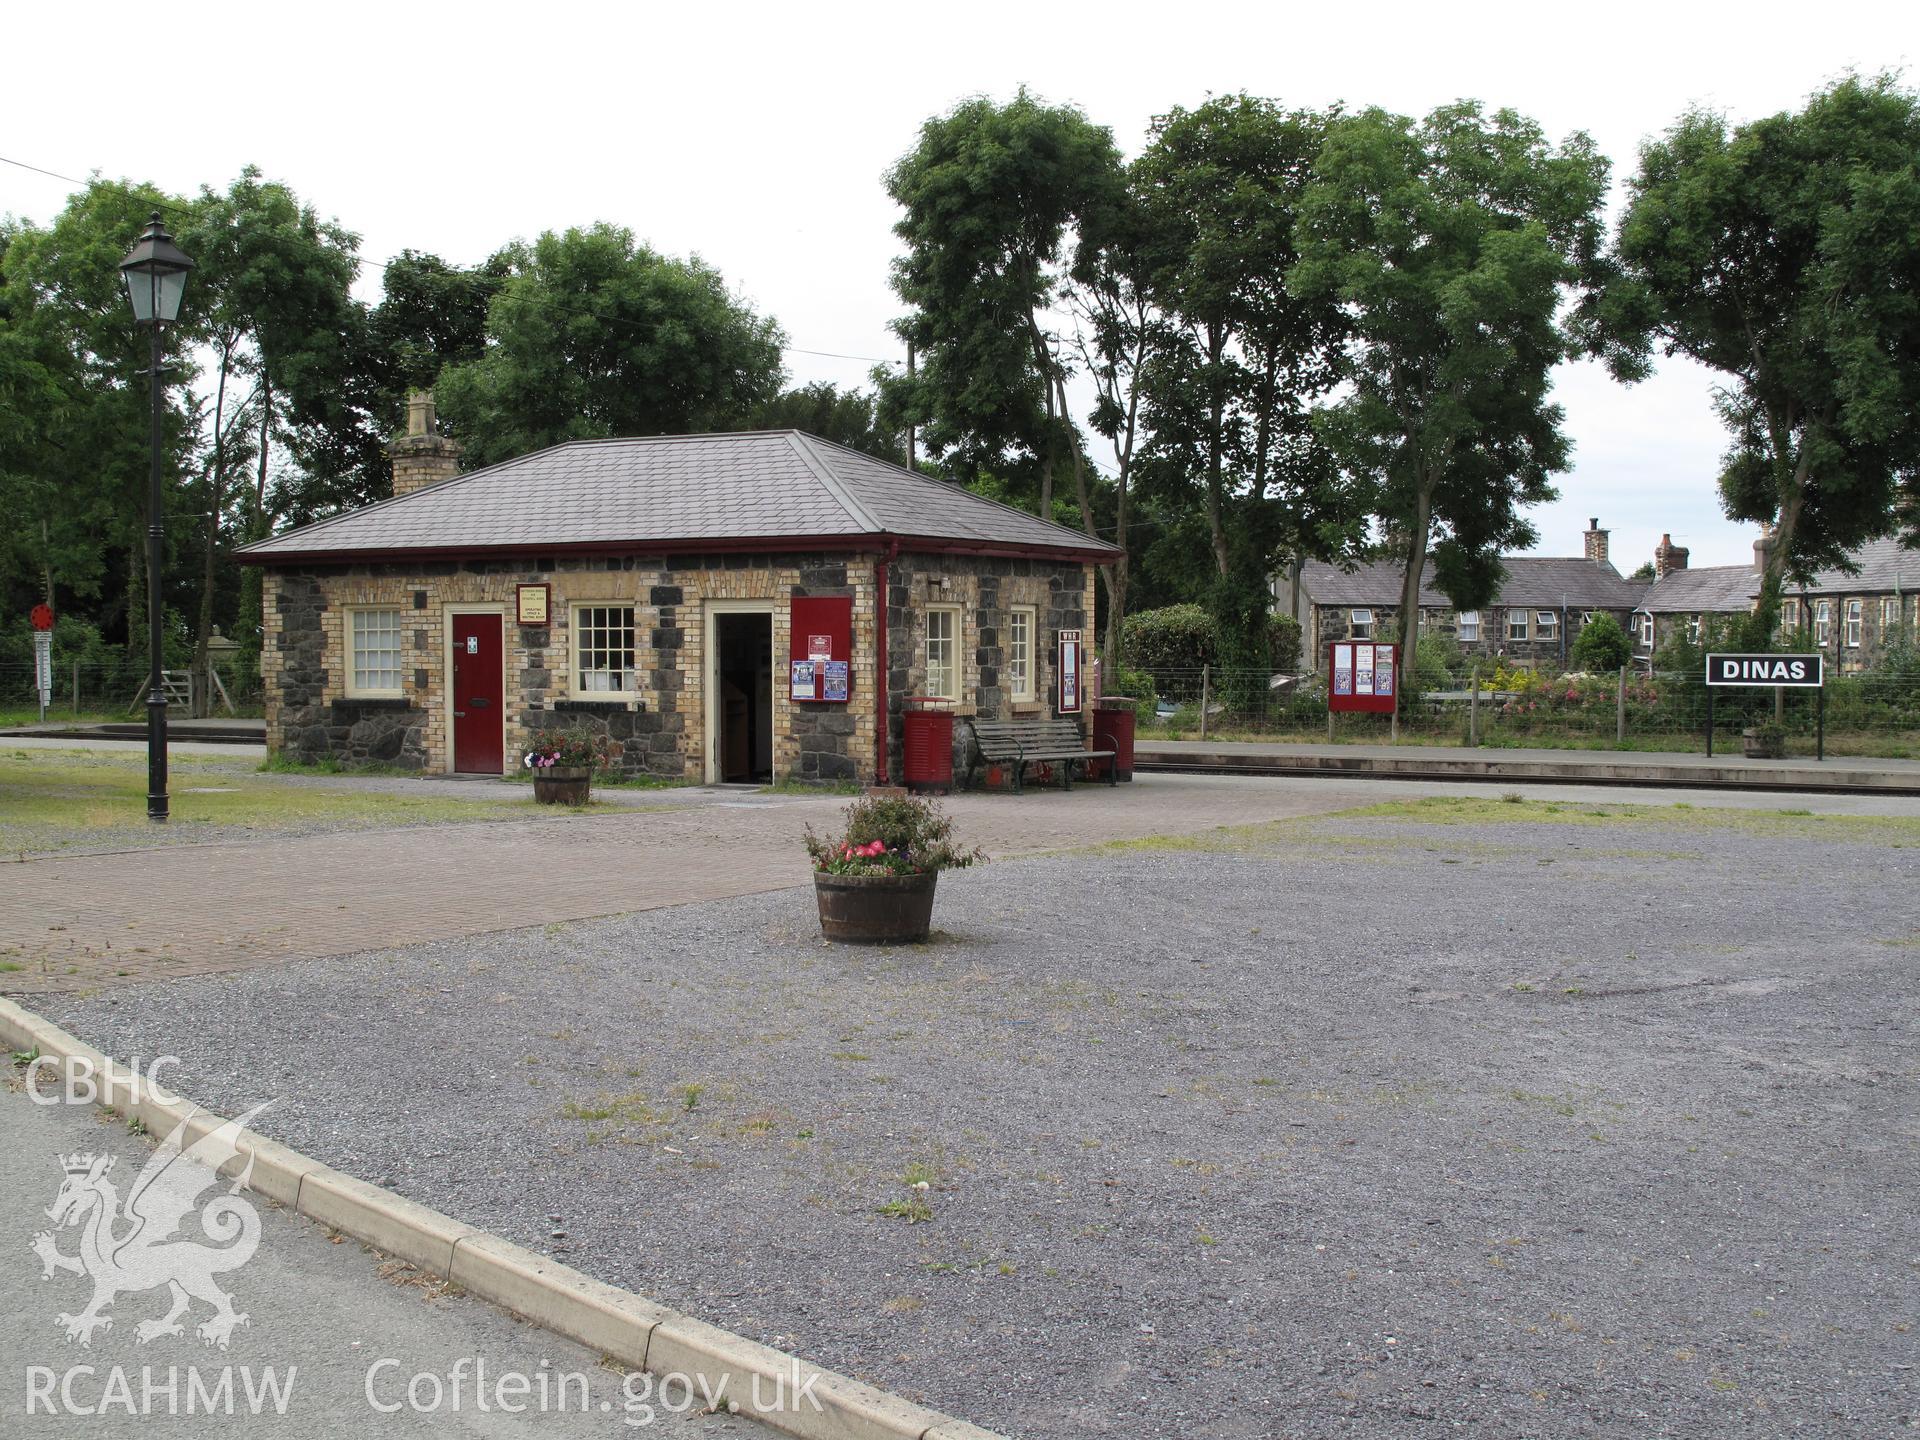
(479, 719)
(1362, 675)
(820, 626)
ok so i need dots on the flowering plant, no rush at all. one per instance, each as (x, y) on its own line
(570, 750)
(890, 836)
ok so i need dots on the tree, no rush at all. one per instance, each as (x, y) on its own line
(1450, 246)
(993, 195)
(1786, 255)
(1601, 646)
(272, 298)
(593, 335)
(846, 417)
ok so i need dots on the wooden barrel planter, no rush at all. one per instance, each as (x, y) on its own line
(562, 785)
(875, 909)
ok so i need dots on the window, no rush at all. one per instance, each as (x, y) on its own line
(1889, 618)
(943, 652)
(1646, 631)
(1789, 616)
(1360, 624)
(1822, 622)
(1469, 627)
(1549, 624)
(1693, 629)
(375, 646)
(1516, 624)
(603, 651)
(1855, 613)
(1020, 628)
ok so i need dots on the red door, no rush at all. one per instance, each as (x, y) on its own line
(479, 727)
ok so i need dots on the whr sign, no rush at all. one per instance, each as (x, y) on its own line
(1805, 672)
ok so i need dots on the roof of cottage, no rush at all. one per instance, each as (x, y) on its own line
(1543, 580)
(1710, 590)
(754, 486)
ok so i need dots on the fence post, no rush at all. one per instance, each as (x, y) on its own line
(76, 687)
(1473, 711)
(1620, 710)
(1206, 694)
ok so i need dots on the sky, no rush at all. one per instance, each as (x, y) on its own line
(756, 136)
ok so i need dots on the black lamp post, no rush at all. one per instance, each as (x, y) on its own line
(156, 276)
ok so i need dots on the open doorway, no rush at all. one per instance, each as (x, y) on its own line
(741, 700)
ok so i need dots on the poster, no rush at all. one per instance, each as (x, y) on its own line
(1383, 670)
(820, 648)
(1069, 672)
(802, 685)
(834, 682)
(1363, 669)
(1343, 669)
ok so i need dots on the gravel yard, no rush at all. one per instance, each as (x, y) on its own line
(1345, 1126)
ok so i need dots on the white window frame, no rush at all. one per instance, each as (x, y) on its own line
(1822, 623)
(1467, 623)
(955, 665)
(1789, 616)
(1520, 615)
(1694, 626)
(1645, 630)
(577, 686)
(356, 690)
(1856, 622)
(1357, 627)
(1889, 617)
(1546, 624)
(1021, 680)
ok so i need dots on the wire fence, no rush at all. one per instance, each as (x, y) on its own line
(1865, 714)
(88, 689)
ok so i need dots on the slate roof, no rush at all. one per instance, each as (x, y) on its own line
(658, 491)
(1710, 590)
(1885, 565)
(1543, 580)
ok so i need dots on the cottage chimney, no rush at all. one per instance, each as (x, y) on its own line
(423, 456)
(1596, 541)
(1761, 549)
(1668, 557)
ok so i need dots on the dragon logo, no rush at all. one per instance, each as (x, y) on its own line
(135, 1245)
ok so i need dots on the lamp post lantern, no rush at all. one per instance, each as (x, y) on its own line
(156, 275)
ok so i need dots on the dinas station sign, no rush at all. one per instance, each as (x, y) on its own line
(1802, 671)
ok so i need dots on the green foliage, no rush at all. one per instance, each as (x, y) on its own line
(891, 834)
(1782, 254)
(1451, 246)
(991, 194)
(1178, 637)
(846, 417)
(594, 335)
(1136, 684)
(1283, 644)
(1601, 646)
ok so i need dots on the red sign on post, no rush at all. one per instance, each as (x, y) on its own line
(42, 616)
(1362, 675)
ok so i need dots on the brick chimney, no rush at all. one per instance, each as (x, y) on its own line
(1761, 548)
(1596, 541)
(1668, 557)
(423, 456)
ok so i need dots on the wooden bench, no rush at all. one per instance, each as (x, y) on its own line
(1020, 743)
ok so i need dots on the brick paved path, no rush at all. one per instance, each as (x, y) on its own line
(84, 921)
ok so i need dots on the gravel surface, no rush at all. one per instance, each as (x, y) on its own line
(1381, 1128)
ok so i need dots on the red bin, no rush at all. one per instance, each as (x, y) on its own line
(1113, 721)
(928, 745)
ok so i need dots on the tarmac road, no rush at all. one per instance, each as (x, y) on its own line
(335, 1338)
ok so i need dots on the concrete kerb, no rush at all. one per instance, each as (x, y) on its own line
(778, 1389)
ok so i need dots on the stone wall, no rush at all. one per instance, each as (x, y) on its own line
(985, 589)
(661, 733)
(1334, 622)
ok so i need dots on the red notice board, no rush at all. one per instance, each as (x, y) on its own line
(1362, 675)
(820, 649)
